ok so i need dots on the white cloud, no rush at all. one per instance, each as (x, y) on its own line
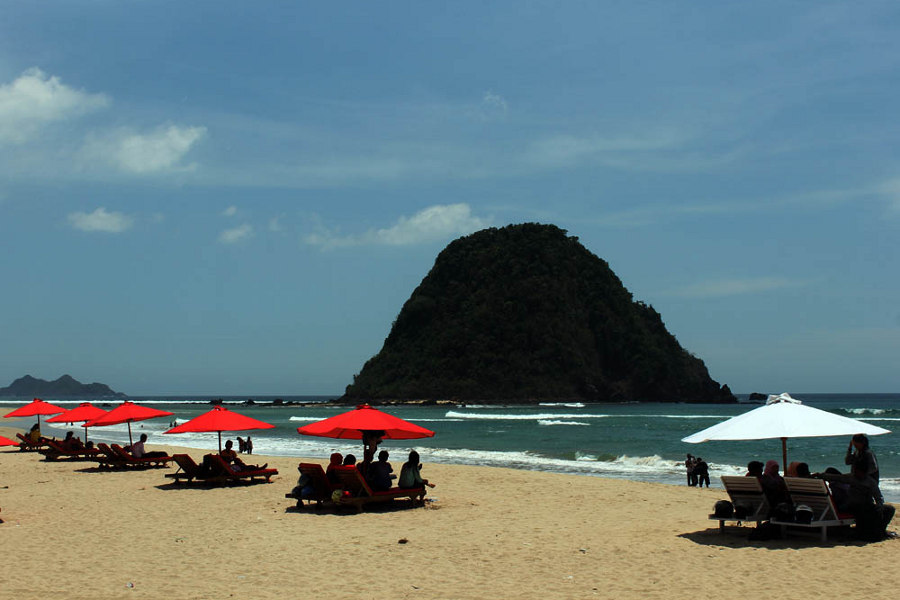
(431, 224)
(230, 211)
(157, 151)
(35, 99)
(494, 101)
(275, 224)
(563, 150)
(101, 220)
(236, 234)
(735, 287)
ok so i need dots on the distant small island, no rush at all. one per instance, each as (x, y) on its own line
(64, 387)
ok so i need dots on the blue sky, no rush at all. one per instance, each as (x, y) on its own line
(237, 198)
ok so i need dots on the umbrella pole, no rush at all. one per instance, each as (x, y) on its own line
(220, 442)
(130, 441)
(784, 454)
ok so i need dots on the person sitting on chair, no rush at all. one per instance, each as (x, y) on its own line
(380, 473)
(330, 473)
(71, 443)
(137, 449)
(231, 457)
(410, 475)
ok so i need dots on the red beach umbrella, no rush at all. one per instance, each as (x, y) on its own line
(127, 412)
(5, 441)
(35, 407)
(351, 425)
(80, 414)
(220, 419)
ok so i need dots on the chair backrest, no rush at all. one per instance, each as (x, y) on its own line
(814, 494)
(186, 463)
(352, 481)
(109, 452)
(317, 475)
(747, 491)
(120, 452)
(219, 462)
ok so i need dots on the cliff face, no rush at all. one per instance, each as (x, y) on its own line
(526, 313)
(65, 386)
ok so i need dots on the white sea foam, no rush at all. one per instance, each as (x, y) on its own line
(554, 422)
(565, 404)
(516, 417)
(306, 419)
(865, 411)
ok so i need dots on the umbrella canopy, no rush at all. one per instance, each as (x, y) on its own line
(220, 419)
(783, 417)
(351, 425)
(36, 407)
(127, 412)
(5, 441)
(80, 414)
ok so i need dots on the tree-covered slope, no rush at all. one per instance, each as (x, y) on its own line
(526, 313)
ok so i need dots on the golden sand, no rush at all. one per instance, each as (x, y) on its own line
(74, 532)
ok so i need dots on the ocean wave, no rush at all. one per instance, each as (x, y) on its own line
(553, 422)
(565, 404)
(514, 417)
(864, 411)
(306, 419)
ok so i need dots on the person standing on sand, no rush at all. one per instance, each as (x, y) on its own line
(248, 446)
(861, 458)
(689, 467)
(701, 472)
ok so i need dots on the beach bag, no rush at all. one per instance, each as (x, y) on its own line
(723, 509)
(784, 511)
(803, 514)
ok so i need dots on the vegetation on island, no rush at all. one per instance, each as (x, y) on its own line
(525, 313)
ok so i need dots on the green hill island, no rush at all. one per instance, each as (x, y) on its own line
(526, 314)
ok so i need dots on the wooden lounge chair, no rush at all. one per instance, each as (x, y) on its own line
(748, 499)
(358, 494)
(322, 488)
(106, 457)
(188, 470)
(815, 494)
(127, 460)
(27, 445)
(55, 450)
(220, 467)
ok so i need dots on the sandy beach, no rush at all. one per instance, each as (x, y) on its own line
(73, 531)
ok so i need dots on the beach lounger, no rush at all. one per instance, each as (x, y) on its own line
(188, 470)
(127, 460)
(222, 468)
(322, 488)
(360, 494)
(27, 445)
(815, 494)
(106, 457)
(55, 450)
(748, 499)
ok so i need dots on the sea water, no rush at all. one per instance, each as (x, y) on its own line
(629, 441)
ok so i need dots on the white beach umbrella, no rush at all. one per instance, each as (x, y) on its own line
(783, 417)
